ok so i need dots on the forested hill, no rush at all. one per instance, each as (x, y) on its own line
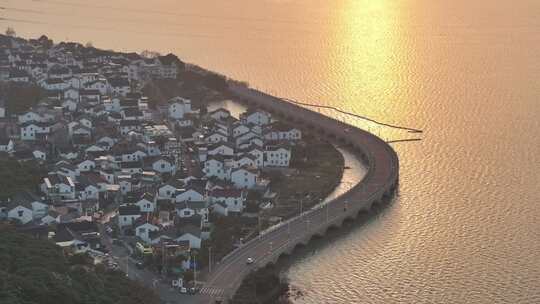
(36, 272)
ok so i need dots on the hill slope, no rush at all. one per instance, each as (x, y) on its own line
(36, 272)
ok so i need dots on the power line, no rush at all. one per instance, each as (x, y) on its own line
(410, 130)
(109, 29)
(168, 13)
(139, 21)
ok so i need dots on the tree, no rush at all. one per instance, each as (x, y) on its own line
(11, 32)
(46, 42)
(37, 271)
(149, 54)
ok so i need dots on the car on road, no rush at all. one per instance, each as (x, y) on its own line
(139, 265)
(250, 261)
(183, 290)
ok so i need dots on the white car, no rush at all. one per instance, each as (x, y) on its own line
(250, 261)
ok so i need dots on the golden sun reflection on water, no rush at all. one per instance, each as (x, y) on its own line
(368, 54)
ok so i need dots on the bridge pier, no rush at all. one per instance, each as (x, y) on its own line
(380, 159)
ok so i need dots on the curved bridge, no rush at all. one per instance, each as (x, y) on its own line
(380, 181)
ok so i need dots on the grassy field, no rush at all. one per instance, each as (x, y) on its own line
(317, 168)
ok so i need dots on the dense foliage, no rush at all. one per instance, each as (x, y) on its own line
(20, 97)
(16, 176)
(36, 271)
(262, 286)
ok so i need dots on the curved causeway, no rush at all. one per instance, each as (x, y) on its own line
(380, 181)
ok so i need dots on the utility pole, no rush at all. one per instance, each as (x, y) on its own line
(195, 268)
(259, 224)
(327, 205)
(289, 229)
(127, 266)
(210, 259)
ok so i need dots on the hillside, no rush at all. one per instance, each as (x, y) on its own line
(36, 272)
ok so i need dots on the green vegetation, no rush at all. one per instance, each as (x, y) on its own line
(16, 176)
(225, 233)
(261, 286)
(36, 271)
(20, 97)
(317, 168)
(200, 88)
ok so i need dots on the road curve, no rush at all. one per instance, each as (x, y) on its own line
(381, 180)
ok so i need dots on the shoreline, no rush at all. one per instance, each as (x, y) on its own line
(379, 183)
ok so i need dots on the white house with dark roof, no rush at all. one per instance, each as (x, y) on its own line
(119, 86)
(246, 160)
(31, 130)
(245, 138)
(86, 165)
(234, 199)
(26, 206)
(277, 156)
(127, 215)
(147, 202)
(192, 234)
(216, 166)
(244, 178)
(6, 144)
(143, 231)
(219, 114)
(57, 186)
(190, 194)
(221, 148)
(34, 116)
(216, 137)
(99, 85)
(256, 116)
(160, 164)
(279, 131)
(19, 211)
(192, 209)
(178, 107)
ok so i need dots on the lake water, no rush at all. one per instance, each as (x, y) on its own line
(465, 225)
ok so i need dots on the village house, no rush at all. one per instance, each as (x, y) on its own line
(257, 117)
(179, 107)
(234, 200)
(277, 156)
(58, 187)
(244, 177)
(143, 229)
(147, 202)
(127, 215)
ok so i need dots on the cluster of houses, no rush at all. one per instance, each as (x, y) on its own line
(166, 169)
